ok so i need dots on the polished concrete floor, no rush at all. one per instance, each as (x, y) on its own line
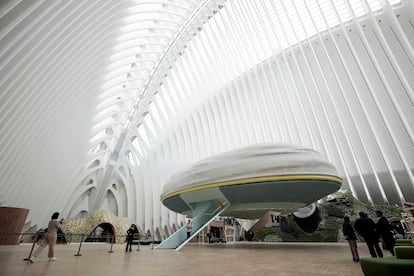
(243, 258)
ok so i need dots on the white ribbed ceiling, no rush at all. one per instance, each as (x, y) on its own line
(101, 101)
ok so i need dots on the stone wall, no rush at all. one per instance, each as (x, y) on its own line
(85, 226)
(331, 213)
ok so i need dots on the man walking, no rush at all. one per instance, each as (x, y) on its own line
(384, 229)
(366, 228)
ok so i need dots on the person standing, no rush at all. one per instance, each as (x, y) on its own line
(350, 236)
(50, 239)
(366, 228)
(133, 230)
(209, 236)
(384, 229)
(189, 229)
(250, 235)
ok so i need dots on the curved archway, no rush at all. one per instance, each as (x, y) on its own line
(104, 232)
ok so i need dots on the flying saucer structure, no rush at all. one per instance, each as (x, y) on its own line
(253, 180)
(246, 183)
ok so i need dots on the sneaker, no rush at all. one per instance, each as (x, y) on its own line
(52, 259)
(32, 259)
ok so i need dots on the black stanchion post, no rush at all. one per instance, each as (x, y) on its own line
(112, 243)
(138, 243)
(31, 250)
(80, 244)
(152, 243)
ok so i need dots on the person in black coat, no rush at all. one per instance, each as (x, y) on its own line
(384, 229)
(366, 228)
(133, 230)
(350, 236)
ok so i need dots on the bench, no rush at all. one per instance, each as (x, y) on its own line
(401, 264)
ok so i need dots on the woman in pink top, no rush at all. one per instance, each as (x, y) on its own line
(50, 239)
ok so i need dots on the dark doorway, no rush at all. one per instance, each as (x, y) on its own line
(215, 231)
(215, 234)
(104, 232)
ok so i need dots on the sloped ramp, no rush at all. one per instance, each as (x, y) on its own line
(205, 212)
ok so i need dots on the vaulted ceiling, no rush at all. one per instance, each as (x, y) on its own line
(102, 101)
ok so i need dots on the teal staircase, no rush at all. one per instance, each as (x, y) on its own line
(203, 214)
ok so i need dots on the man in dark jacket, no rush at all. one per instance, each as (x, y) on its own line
(384, 229)
(366, 228)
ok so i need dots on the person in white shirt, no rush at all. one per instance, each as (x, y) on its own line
(189, 229)
(50, 239)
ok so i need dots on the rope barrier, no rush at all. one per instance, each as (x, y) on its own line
(68, 238)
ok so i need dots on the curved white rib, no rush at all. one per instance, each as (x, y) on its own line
(100, 102)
